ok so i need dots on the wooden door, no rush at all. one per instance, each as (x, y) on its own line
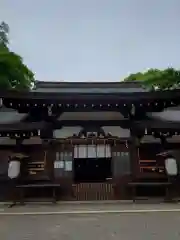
(121, 169)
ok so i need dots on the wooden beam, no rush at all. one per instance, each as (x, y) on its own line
(126, 95)
(156, 128)
(99, 123)
(147, 101)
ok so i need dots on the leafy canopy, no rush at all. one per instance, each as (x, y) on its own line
(156, 79)
(14, 74)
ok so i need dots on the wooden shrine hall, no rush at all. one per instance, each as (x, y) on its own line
(89, 141)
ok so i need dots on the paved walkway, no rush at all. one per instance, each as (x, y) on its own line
(88, 208)
(77, 226)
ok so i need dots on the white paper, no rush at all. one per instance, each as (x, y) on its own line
(61, 164)
(68, 166)
(58, 164)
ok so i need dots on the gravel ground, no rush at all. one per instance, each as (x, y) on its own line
(136, 226)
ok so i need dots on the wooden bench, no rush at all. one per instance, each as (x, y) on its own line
(134, 186)
(22, 188)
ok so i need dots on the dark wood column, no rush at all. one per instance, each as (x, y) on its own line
(134, 115)
(134, 144)
(164, 143)
(48, 158)
(18, 147)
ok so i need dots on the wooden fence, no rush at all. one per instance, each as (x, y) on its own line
(93, 191)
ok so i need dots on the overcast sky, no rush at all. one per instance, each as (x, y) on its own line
(93, 40)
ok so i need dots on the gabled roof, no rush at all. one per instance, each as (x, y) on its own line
(129, 91)
(89, 87)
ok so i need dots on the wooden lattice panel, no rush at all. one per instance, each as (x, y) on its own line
(93, 191)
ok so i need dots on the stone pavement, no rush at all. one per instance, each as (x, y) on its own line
(83, 226)
(88, 207)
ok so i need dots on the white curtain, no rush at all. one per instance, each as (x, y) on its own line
(103, 151)
(80, 151)
(92, 151)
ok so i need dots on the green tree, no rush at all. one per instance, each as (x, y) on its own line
(156, 79)
(14, 74)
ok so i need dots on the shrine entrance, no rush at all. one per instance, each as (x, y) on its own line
(92, 163)
(92, 170)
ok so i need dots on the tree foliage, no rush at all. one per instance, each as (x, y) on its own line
(14, 74)
(156, 79)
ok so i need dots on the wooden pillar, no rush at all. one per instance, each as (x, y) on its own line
(18, 147)
(49, 155)
(134, 154)
(48, 158)
(164, 143)
(133, 116)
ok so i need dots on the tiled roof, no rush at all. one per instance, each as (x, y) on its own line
(170, 114)
(88, 87)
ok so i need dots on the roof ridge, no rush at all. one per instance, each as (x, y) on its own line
(120, 84)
